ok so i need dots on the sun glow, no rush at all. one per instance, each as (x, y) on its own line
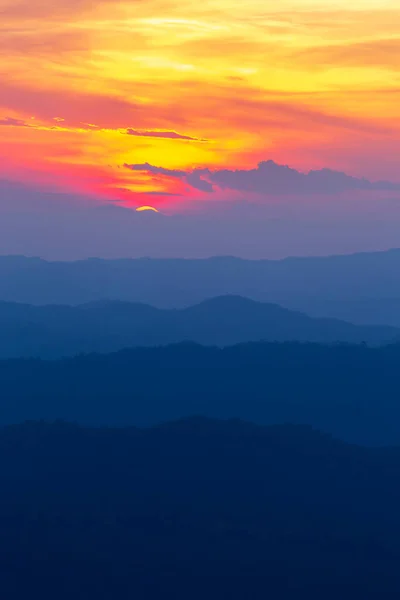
(88, 87)
(146, 208)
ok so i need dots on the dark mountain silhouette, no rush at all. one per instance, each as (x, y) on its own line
(349, 391)
(54, 331)
(197, 508)
(332, 286)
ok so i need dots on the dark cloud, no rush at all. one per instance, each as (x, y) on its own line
(170, 135)
(192, 178)
(270, 178)
(129, 195)
(196, 181)
(156, 193)
(156, 170)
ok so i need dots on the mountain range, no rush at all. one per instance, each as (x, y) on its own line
(350, 391)
(360, 288)
(196, 508)
(56, 330)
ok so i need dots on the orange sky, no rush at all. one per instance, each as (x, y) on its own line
(86, 87)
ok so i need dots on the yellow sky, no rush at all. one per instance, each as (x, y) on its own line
(86, 87)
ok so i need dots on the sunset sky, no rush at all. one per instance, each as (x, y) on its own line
(142, 101)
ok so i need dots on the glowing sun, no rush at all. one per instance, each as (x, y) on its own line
(143, 208)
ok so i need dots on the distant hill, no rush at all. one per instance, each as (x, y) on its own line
(349, 391)
(196, 509)
(359, 310)
(334, 286)
(56, 331)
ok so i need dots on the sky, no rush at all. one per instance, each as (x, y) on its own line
(189, 106)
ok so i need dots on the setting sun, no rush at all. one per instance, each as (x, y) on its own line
(94, 86)
(145, 208)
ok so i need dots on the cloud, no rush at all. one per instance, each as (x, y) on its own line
(10, 122)
(75, 107)
(157, 193)
(192, 178)
(270, 178)
(49, 9)
(156, 170)
(30, 44)
(195, 180)
(170, 135)
(379, 53)
(299, 116)
(61, 125)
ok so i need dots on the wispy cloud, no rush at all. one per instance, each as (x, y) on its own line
(170, 135)
(157, 193)
(156, 170)
(11, 122)
(361, 55)
(76, 107)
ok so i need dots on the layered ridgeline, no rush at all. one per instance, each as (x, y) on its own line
(360, 288)
(349, 391)
(196, 509)
(56, 331)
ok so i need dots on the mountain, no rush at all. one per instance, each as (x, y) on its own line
(333, 286)
(349, 391)
(55, 331)
(196, 508)
(360, 311)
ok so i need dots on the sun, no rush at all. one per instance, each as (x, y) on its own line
(143, 208)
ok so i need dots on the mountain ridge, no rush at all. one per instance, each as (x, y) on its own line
(199, 505)
(349, 391)
(354, 287)
(54, 331)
